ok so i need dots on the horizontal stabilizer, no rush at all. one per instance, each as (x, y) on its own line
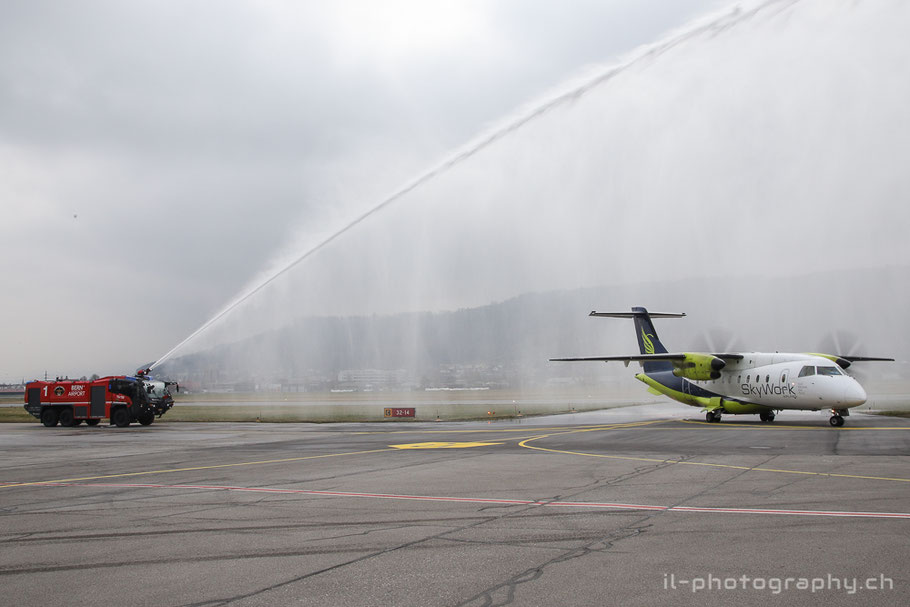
(634, 314)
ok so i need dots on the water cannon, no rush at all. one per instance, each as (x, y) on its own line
(144, 370)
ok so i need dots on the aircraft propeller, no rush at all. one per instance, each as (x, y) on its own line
(717, 340)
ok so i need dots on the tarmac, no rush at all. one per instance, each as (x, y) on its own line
(645, 505)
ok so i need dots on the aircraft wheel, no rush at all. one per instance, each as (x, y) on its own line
(92, 422)
(836, 420)
(766, 417)
(49, 417)
(120, 417)
(66, 417)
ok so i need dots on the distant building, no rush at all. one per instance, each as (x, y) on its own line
(12, 389)
(373, 379)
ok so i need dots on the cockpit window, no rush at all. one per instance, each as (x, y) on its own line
(829, 371)
(807, 371)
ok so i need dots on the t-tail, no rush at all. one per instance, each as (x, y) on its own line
(648, 341)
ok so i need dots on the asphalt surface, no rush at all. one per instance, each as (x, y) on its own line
(634, 506)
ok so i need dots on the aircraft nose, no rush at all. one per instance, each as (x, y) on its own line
(854, 395)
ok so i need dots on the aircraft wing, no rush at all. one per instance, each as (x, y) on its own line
(845, 361)
(729, 356)
(626, 359)
(699, 366)
(673, 356)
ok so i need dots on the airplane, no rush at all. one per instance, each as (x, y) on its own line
(739, 383)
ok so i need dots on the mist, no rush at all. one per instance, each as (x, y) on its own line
(748, 169)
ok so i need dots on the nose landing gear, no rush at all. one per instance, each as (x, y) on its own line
(837, 417)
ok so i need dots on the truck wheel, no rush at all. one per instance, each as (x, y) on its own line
(92, 422)
(146, 419)
(49, 417)
(120, 417)
(66, 417)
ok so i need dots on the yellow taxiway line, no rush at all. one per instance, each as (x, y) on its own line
(525, 444)
(297, 459)
(775, 426)
(190, 469)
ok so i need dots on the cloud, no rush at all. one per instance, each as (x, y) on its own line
(743, 146)
(193, 140)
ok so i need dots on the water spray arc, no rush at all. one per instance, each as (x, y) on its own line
(714, 24)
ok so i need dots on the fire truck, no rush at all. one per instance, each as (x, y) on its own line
(122, 399)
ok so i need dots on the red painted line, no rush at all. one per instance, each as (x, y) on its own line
(511, 502)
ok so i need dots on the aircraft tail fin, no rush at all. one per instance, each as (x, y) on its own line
(648, 341)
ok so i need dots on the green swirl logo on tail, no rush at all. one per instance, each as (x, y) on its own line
(646, 339)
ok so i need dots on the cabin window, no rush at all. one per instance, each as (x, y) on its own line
(828, 371)
(739, 378)
(767, 379)
(748, 379)
(807, 371)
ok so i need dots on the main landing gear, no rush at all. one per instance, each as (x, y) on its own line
(712, 417)
(767, 416)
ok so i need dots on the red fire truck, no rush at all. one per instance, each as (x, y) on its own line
(121, 398)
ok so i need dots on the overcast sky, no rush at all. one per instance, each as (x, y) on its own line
(154, 156)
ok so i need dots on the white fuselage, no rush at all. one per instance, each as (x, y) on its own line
(787, 381)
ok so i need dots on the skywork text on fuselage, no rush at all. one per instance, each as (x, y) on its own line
(768, 390)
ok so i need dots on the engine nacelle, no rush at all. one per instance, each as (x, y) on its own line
(700, 367)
